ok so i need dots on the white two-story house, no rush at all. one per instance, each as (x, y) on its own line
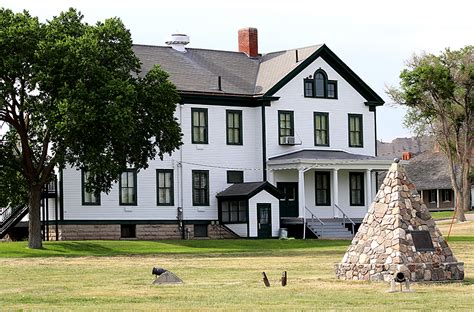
(270, 140)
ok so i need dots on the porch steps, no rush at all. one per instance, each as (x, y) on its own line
(332, 229)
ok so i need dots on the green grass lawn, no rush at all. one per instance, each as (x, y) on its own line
(125, 248)
(218, 275)
(438, 215)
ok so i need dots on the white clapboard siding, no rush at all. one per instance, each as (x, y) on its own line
(292, 99)
(217, 157)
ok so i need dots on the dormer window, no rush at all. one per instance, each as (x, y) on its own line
(320, 86)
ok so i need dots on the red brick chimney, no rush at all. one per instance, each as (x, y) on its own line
(248, 41)
(406, 156)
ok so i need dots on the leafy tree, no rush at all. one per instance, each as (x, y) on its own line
(438, 91)
(72, 94)
(12, 184)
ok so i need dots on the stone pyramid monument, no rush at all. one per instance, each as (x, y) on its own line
(399, 235)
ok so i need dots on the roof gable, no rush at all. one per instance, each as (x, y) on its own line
(197, 71)
(372, 98)
(276, 65)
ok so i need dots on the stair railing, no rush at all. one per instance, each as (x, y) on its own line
(344, 217)
(5, 213)
(313, 217)
(9, 216)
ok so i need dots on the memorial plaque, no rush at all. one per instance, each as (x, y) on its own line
(422, 240)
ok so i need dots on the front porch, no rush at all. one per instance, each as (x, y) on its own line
(325, 184)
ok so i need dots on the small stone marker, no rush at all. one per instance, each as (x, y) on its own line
(166, 277)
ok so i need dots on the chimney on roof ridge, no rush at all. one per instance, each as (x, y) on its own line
(406, 156)
(248, 41)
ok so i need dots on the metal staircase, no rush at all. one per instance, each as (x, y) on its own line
(10, 216)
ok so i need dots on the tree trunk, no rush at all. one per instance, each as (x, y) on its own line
(466, 186)
(34, 223)
(459, 206)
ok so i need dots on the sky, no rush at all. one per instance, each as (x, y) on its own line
(373, 37)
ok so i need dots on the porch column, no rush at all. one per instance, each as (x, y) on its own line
(335, 192)
(301, 197)
(368, 187)
(271, 177)
(437, 198)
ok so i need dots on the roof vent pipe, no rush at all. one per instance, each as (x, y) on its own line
(178, 41)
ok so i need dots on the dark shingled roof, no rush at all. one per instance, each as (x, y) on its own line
(429, 170)
(249, 189)
(199, 69)
(320, 154)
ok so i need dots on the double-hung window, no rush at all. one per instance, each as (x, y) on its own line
(355, 130)
(88, 198)
(321, 129)
(308, 87)
(234, 127)
(286, 130)
(446, 195)
(356, 186)
(323, 188)
(164, 187)
(199, 125)
(432, 196)
(331, 89)
(128, 187)
(200, 188)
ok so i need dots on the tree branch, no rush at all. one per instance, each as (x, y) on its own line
(44, 151)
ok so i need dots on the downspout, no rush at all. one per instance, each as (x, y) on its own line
(181, 198)
(61, 195)
(264, 145)
(56, 210)
(375, 129)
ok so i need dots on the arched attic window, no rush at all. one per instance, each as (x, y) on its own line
(319, 86)
(320, 80)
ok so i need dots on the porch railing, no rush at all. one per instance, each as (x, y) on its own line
(313, 218)
(344, 217)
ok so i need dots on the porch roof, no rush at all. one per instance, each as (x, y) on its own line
(328, 158)
(248, 190)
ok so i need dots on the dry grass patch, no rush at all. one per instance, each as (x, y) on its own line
(458, 229)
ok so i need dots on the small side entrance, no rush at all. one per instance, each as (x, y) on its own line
(264, 219)
(289, 203)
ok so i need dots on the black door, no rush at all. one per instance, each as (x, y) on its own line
(289, 203)
(264, 220)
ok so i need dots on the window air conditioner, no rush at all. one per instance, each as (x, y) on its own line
(288, 140)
